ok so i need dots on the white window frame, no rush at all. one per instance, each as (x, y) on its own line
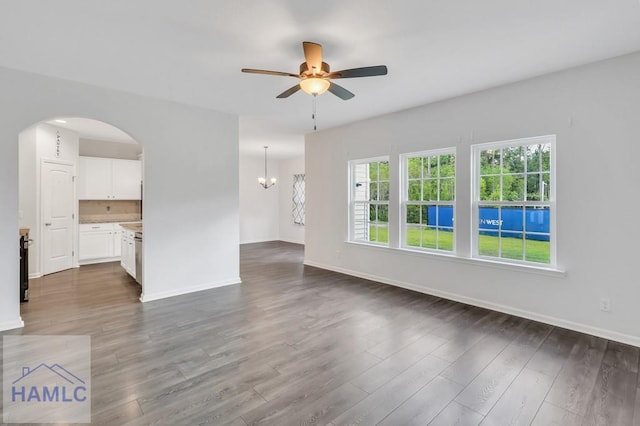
(353, 202)
(551, 202)
(404, 198)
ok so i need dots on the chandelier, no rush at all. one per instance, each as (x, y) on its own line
(263, 180)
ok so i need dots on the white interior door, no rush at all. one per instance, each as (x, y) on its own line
(57, 216)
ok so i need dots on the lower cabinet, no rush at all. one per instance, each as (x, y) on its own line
(117, 237)
(96, 245)
(99, 242)
(128, 250)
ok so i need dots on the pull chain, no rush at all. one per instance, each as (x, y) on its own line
(314, 113)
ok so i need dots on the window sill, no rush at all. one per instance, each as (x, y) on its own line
(548, 271)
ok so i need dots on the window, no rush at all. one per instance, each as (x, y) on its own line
(370, 200)
(428, 200)
(297, 210)
(514, 200)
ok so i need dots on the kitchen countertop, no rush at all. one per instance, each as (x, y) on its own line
(136, 226)
(106, 220)
(24, 232)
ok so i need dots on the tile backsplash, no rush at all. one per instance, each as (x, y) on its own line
(93, 211)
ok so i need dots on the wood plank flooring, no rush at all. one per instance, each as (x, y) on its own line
(296, 345)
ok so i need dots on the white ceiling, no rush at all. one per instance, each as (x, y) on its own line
(192, 52)
(92, 129)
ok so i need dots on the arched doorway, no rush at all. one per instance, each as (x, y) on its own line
(190, 192)
(80, 199)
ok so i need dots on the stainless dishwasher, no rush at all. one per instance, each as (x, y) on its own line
(138, 250)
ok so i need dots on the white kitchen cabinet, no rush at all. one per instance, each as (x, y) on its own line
(124, 251)
(99, 242)
(94, 178)
(128, 258)
(96, 245)
(96, 242)
(117, 240)
(126, 179)
(109, 179)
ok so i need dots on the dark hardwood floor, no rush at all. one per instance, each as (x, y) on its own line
(296, 345)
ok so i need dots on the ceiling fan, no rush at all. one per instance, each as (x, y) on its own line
(315, 75)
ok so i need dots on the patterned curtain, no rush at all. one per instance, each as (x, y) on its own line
(298, 199)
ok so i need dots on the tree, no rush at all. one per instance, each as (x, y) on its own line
(510, 164)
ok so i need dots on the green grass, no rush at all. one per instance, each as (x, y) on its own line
(378, 234)
(431, 238)
(512, 248)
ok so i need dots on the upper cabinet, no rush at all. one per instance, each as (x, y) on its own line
(94, 179)
(109, 179)
(126, 179)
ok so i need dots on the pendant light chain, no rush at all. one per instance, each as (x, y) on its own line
(314, 113)
(263, 180)
(265, 163)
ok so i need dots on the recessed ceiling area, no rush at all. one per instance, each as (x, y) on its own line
(92, 129)
(193, 52)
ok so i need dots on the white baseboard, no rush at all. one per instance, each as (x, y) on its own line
(10, 325)
(178, 292)
(292, 241)
(101, 260)
(582, 328)
(267, 240)
(34, 275)
(273, 241)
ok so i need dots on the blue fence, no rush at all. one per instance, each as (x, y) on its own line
(511, 221)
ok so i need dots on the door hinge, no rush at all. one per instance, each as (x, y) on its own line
(73, 253)
(73, 215)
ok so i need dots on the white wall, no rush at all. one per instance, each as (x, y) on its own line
(265, 215)
(191, 188)
(259, 209)
(36, 144)
(593, 110)
(289, 231)
(107, 149)
(28, 195)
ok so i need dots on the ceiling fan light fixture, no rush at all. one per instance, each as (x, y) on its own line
(314, 85)
(316, 77)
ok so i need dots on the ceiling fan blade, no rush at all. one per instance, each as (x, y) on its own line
(252, 71)
(340, 92)
(360, 72)
(312, 55)
(290, 91)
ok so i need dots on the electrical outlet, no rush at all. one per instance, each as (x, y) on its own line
(605, 305)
